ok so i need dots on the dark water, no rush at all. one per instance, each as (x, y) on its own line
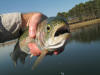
(80, 57)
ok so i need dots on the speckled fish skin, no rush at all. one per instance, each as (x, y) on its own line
(45, 36)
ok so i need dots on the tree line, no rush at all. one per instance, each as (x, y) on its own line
(82, 12)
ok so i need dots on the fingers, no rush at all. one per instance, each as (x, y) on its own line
(34, 50)
(33, 22)
(56, 52)
(32, 31)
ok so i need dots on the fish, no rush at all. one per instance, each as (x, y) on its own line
(51, 34)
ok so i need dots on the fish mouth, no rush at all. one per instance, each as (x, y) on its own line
(57, 45)
(61, 30)
(59, 37)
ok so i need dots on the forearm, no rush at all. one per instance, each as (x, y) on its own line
(10, 24)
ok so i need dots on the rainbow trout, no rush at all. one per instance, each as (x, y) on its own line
(51, 35)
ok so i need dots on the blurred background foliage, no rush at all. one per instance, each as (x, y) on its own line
(82, 12)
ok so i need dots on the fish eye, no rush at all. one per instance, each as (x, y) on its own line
(48, 28)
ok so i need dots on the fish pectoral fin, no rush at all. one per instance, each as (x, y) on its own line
(39, 59)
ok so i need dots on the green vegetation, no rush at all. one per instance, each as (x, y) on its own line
(82, 12)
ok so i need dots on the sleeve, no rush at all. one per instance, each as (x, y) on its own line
(10, 25)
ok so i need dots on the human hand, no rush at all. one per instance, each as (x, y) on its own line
(32, 23)
(35, 51)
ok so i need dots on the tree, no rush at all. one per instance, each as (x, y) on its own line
(83, 11)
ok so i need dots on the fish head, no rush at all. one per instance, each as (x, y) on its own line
(52, 33)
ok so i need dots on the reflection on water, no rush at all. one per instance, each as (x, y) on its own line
(87, 34)
(80, 57)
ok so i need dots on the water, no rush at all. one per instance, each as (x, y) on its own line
(80, 57)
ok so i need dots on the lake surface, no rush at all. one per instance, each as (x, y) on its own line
(81, 56)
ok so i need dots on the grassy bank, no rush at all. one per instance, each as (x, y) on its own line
(84, 24)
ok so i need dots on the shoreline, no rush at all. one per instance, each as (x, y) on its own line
(84, 24)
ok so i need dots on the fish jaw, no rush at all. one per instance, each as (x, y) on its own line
(54, 43)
